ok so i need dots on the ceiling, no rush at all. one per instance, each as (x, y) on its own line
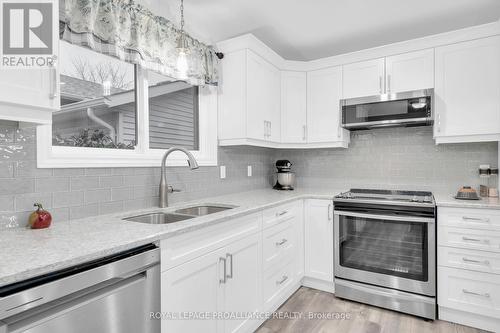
(307, 30)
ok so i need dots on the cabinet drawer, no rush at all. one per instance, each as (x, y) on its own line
(275, 215)
(469, 238)
(279, 243)
(276, 283)
(469, 291)
(481, 261)
(487, 219)
(180, 249)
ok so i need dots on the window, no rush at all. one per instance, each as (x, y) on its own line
(98, 101)
(115, 114)
(173, 114)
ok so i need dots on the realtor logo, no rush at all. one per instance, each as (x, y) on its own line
(27, 34)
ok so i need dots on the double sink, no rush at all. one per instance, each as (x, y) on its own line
(179, 214)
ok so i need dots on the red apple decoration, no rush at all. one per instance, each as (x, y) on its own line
(40, 218)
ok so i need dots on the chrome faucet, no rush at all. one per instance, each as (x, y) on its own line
(164, 188)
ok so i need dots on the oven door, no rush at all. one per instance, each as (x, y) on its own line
(392, 251)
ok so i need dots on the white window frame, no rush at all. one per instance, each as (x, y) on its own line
(49, 156)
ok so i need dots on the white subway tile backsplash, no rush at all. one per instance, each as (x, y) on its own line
(52, 184)
(98, 195)
(83, 183)
(397, 158)
(393, 157)
(68, 199)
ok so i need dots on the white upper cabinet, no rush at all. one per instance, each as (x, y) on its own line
(30, 94)
(324, 91)
(293, 107)
(467, 92)
(249, 99)
(410, 71)
(365, 78)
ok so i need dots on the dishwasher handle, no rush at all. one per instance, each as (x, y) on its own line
(74, 301)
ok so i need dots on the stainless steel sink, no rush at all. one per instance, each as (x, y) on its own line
(202, 210)
(159, 218)
(178, 215)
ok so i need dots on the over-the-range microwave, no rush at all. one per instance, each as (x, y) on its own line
(411, 108)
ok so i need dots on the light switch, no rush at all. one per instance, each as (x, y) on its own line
(249, 171)
(222, 172)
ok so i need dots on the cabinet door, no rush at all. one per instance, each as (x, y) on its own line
(324, 91)
(33, 91)
(293, 107)
(319, 239)
(467, 89)
(364, 78)
(243, 289)
(410, 71)
(263, 99)
(193, 287)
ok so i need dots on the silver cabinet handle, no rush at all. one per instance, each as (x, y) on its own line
(230, 257)
(485, 262)
(304, 135)
(283, 241)
(329, 209)
(388, 83)
(475, 240)
(465, 291)
(468, 218)
(281, 213)
(339, 120)
(439, 122)
(283, 279)
(270, 128)
(380, 84)
(224, 279)
(265, 128)
(53, 78)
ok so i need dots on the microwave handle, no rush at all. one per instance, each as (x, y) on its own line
(386, 217)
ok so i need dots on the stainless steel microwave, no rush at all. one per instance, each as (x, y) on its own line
(411, 108)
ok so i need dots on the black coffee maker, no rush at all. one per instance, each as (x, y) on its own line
(285, 178)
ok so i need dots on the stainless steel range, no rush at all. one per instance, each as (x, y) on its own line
(385, 249)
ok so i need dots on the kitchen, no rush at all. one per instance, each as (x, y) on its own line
(337, 179)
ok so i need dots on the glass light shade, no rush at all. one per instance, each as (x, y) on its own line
(182, 64)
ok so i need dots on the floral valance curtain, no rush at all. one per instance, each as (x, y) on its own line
(130, 32)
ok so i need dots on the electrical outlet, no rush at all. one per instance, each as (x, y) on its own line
(222, 172)
(249, 171)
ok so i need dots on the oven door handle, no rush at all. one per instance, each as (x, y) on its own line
(386, 217)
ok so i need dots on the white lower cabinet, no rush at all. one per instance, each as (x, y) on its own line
(242, 288)
(469, 267)
(193, 287)
(276, 281)
(248, 265)
(318, 225)
(227, 280)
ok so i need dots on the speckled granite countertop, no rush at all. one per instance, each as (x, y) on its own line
(447, 200)
(26, 253)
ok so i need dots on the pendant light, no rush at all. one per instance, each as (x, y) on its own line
(182, 49)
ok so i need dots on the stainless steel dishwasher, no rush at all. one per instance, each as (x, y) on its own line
(113, 294)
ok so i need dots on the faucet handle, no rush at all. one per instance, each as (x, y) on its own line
(171, 189)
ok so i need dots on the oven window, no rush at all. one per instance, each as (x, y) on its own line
(385, 247)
